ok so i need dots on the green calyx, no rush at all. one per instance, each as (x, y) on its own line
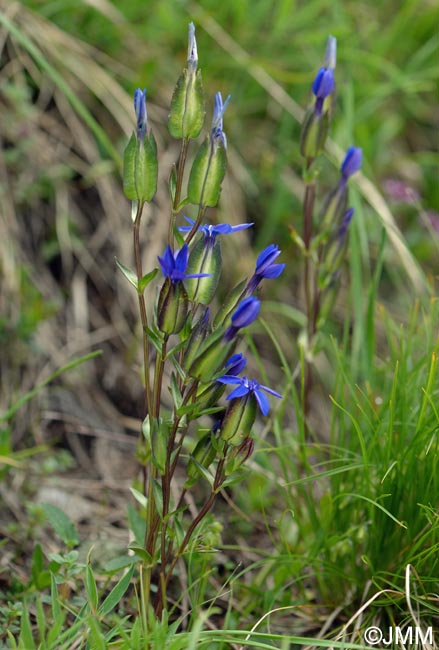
(140, 168)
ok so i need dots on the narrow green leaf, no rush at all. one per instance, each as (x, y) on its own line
(97, 639)
(141, 498)
(91, 588)
(116, 594)
(147, 278)
(128, 273)
(158, 497)
(26, 640)
(143, 555)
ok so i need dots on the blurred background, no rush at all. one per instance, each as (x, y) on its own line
(68, 72)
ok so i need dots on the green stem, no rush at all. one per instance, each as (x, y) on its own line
(178, 186)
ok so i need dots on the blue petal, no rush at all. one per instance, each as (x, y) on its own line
(271, 391)
(262, 401)
(229, 379)
(267, 257)
(273, 271)
(241, 391)
(181, 259)
(242, 226)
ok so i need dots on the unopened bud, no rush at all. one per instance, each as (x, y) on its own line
(239, 419)
(172, 307)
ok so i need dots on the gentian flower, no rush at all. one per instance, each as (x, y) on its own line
(244, 315)
(351, 163)
(211, 232)
(140, 110)
(236, 364)
(248, 387)
(324, 82)
(174, 265)
(217, 134)
(265, 269)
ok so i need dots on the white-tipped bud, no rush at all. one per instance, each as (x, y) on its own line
(331, 53)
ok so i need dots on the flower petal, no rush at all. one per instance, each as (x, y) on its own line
(262, 401)
(229, 379)
(271, 391)
(240, 391)
(273, 271)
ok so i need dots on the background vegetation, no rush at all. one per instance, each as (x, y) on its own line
(329, 533)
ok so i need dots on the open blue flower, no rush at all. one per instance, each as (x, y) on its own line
(265, 267)
(249, 387)
(211, 232)
(174, 265)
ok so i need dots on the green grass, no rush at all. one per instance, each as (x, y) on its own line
(332, 530)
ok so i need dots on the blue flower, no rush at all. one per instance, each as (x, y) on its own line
(211, 232)
(140, 110)
(351, 163)
(217, 134)
(249, 387)
(323, 83)
(265, 269)
(174, 265)
(246, 312)
(236, 364)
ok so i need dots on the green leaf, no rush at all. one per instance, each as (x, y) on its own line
(140, 498)
(142, 553)
(137, 524)
(97, 639)
(175, 392)
(118, 563)
(116, 594)
(91, 588)
(158, 497)
(149, 277)
(61, 524)
(26, 641)
(128, 273)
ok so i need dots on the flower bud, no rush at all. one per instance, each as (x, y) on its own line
(197, 336)
(314, 133)
(239, 455)
(211, 356)
(203, 454)
(140, 165)
(352, 162)
(140, 168)
(245, 314)
(207, 174)
(186, 117)
(239, 419)
(172, 307)
(229, 304)
(206, 260)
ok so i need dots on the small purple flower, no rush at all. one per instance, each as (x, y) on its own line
(323, 83)
(244, 315)
(174, 265)
(140, 110)
(217, 134)
(351, 163)
(236, 364)
(265, 269)
(192, 54)
(249, 387)
(211, 232)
